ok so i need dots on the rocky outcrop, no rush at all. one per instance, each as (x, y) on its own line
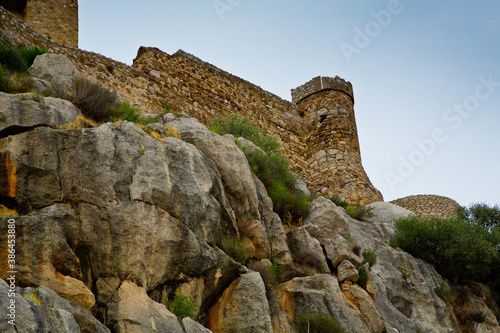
(20, 113)
(42, 310)
(243, 307)
(112, 225)
(54, 68)
(130, 310)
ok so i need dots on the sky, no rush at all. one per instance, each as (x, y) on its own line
(426, 75)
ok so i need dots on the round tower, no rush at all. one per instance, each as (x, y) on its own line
(333, 155)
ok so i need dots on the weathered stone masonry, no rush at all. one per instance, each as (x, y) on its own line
(317, 131)
(57, 19)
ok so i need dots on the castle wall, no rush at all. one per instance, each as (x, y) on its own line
(57, 19)
(429, 206)
(333, 153)
(187, 84)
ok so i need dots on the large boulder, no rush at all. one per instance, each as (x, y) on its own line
(366, 305)
(29, 316)
(49, 298)
(22, 114)
(132, 311)
(182, 181)
(192, 326)
(324, 220)
(55, 68)
(243, 307)
(338, 249)
(319, 295)
(307, 252)
(231, 164)
(385, 214)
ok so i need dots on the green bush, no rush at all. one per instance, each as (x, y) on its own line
(182, 306)
(338, 201)
(126, 112)
(458, 249)
(269, 165)
(18, 58)
(92, 99)
(240, 126)
(370, 256)
(359, 212)
(318, 324)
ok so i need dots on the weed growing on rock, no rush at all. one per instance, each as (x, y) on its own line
(338, 201)
(182, 306)
(370, 256)
(35, 297)
(234, 249)
(80, 122)
(359, 212)
(363, 277)
(126, 112)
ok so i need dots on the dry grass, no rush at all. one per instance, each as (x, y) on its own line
(4, 211)
(80, 122)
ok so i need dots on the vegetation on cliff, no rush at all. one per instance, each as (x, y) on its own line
(463, 249)
(268, 164)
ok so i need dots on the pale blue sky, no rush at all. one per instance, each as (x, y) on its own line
(412, 64)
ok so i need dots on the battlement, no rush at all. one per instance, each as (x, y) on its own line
(321, 83)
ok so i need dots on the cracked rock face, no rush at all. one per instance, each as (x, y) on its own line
(112, 225)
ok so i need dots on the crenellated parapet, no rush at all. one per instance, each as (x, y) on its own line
(321, 83)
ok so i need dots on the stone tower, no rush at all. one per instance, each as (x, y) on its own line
(57, 19)
(332, 147)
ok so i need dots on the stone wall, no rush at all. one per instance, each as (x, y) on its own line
(317, 131)
(333, 153)
(428, 206)
(57, 19)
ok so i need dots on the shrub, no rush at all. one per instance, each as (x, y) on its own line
(92, 99)
(182, 306)
(318, 324)
(126, 112)
(234, 249)
(18, 58)
(363, 277)
(445, 292)
(457, 248)
(240, 126)
(14, 83)
(268, 165)
(370, 256)
(339, 202)
(359, 212)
